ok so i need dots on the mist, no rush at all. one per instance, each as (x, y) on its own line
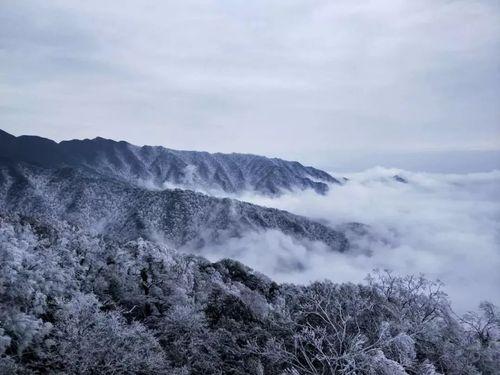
(445, 226)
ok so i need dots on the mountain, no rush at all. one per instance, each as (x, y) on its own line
(124, 211)
(91, 281)
(158, 167)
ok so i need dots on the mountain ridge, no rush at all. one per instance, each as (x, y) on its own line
(159, 167)
(123, 211)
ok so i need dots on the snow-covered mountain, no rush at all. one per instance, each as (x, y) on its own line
(123, 211)
(91, 281)
(159, 167)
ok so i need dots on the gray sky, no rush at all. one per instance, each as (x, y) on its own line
(313, 80)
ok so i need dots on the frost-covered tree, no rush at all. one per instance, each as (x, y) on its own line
(87, 340)
(73, 302)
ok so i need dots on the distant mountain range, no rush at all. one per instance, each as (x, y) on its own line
(159, 167)
(99, 185)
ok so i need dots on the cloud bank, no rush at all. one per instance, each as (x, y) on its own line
(445, 226)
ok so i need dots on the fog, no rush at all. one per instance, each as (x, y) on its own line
(444, 226)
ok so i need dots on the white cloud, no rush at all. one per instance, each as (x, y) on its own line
(445, 226)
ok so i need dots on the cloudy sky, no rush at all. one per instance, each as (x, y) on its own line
(314, 80)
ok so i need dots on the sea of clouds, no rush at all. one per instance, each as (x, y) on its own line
(442, 225)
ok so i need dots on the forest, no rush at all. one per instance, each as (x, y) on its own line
(72, 302)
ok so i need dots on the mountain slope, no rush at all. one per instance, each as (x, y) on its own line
(159, 167)
(74, 303)
(126, 212)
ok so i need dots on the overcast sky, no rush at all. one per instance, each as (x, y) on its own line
(301, 79)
